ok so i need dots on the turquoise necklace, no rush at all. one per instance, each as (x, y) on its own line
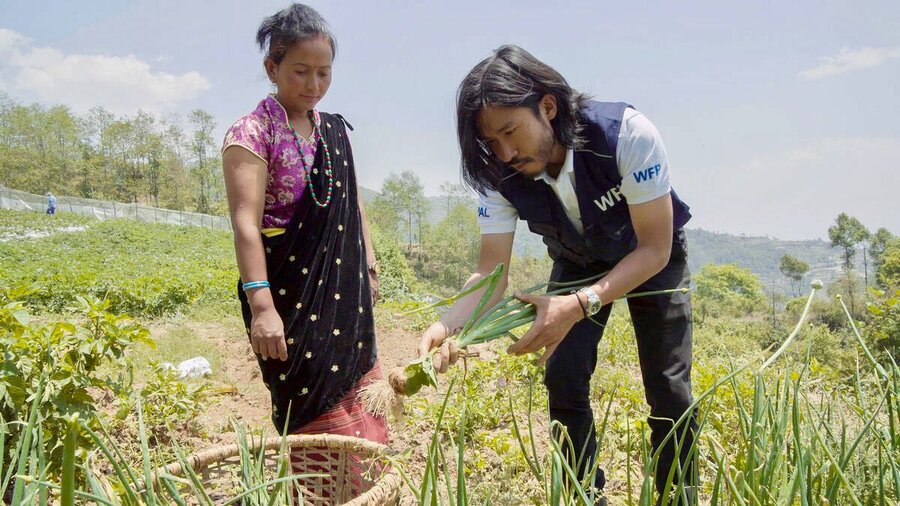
(307, 169)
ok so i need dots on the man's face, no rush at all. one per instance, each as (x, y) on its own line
(518, 136)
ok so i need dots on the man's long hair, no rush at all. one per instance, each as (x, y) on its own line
(510, 77)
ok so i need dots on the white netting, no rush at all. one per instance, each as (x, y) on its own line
(103, 209)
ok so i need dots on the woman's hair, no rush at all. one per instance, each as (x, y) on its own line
(279, 32)
(511, 77)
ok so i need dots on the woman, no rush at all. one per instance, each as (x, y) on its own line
(308, 277)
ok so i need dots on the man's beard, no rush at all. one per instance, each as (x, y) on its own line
(542, 156)
(545, 150)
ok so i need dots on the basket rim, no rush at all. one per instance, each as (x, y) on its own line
(215, 454)
(387, 485)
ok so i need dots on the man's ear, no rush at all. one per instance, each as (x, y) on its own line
(548, 106)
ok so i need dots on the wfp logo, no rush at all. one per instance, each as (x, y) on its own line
(610, 199)
(647, 174)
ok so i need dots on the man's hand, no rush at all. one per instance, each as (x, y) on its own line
(555, 317)
(436, 335)
(267, 335)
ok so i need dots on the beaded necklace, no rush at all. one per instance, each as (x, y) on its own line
(307, 169)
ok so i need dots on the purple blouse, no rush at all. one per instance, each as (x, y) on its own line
(265, 132)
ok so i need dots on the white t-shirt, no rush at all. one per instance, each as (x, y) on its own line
(643, 165)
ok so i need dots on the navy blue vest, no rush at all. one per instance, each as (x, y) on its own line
(608, 233)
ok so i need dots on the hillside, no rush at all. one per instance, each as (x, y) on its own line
(760, 254)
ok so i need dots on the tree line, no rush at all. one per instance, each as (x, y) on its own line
(170, 162)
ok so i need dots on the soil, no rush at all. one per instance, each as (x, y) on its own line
(237, 390)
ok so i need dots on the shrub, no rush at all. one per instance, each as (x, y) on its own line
(68, 360)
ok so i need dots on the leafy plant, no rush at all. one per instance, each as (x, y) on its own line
(167, 400)
(884, 326)
(65, 360)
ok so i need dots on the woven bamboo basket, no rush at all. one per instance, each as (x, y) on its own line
(353, 470)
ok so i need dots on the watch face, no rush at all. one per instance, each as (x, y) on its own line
(594, 303)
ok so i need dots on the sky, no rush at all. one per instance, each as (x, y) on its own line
(777, 116)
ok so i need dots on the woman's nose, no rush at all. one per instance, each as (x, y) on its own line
(314, 84)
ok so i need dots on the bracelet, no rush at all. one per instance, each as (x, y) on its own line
(250, 285)
(583, 307)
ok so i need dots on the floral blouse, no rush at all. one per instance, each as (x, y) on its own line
(266, 133)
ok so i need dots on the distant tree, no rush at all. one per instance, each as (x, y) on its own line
(176, 191)
(730, 288)
(154, 151)
(64, 142)
(406, 195)
(118, 142)
(878, 242)
(97, 119)
(95, 179)
(889, 269)
(848, 286)
(794, 269)
(202, 147)
(848, 233)
(451, 250)
(455, 194)
(384, 214)
(396, 279)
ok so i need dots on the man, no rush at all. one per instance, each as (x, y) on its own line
(592, 178)
(51, 203)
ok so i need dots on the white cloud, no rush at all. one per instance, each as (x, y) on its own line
(122, 84)
(848, 60)
(10, 39)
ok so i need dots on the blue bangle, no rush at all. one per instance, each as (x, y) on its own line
(255, 284)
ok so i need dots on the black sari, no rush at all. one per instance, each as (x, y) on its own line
(320, 285)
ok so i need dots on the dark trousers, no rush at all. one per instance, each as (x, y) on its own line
(662, 325)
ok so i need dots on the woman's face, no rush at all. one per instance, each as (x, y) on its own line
(304, 74)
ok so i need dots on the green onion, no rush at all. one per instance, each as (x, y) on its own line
(483, 326)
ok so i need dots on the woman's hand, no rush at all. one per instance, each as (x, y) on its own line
(373, 286)
(436, 335)
(267, 335)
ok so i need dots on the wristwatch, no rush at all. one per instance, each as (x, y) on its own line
(594, 302)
